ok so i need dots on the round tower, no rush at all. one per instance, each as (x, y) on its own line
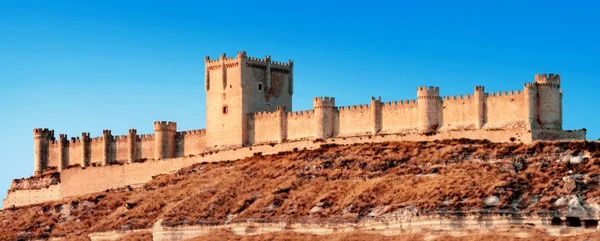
(428, 102)
(324, 108)
(479, 96)
(40, 147)
(107, 138)
(86, 155)
(132, 145)
(531, 103)
(164, 139)
(549, 101)
(63, 145)
(38, 151)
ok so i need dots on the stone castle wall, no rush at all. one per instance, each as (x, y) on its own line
(79, 181)
(487, 111)
(18, 198)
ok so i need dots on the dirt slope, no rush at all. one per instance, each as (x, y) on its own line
(332, 184)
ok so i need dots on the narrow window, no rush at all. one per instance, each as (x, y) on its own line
(224, 109)
(259, 86)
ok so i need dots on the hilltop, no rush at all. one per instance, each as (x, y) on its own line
(334, 184)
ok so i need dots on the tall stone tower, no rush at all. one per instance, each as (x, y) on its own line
(238, 86)
(164, 139)
(549, 101)
(323, 116)
(41, 140)
(428, 104)
(479, 96)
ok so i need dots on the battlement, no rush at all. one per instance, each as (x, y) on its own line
(323, 102)
(401, 103)
(505, 93)
(300, 113)
(165, 126)
(457, 97)
(85, 135)
(549, 79)
(146, 137)
(74, 140)
(231, 62)
(479, 88)
(106, 132)
(192, 132)
(430, 92)
(121, 138)
(132, 132)
(262, 114)
(39, 131)
(530, 85)
(354, 107)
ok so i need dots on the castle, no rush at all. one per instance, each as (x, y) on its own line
(249, 103)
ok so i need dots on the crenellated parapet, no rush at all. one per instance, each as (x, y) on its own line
(511, 93)
(400, 103)
(548, 79)
(457, 97)
(300, 113)
(430, 92)
(323, 102)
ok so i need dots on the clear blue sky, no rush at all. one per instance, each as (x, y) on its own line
(78, 66)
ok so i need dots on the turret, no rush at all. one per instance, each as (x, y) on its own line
(41, 138)
(282, 117)
(132, 145)
(86, 149)
(375, 115)
(428, 105)
(63, 150)
(107, 137)
(164, 139)
(549, 105)
(531, 103)
(323, 107)
(479, 97)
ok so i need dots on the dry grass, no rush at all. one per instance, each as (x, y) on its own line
(346, 181)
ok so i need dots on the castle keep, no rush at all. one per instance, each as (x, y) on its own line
(249, 103)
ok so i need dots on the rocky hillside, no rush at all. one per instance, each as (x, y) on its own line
(334, 184)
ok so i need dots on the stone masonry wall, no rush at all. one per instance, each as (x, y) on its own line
(399, 116)
(505, 110)
(458, 113)
(300, 124)
(26, 197)
(121, 148)
(263, 127)
(354, 120)
(191, 142)
(146, 147)
(53, 154)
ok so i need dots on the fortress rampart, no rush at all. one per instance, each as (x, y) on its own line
(249, 105)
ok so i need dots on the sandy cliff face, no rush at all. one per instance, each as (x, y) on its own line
(338, 184)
